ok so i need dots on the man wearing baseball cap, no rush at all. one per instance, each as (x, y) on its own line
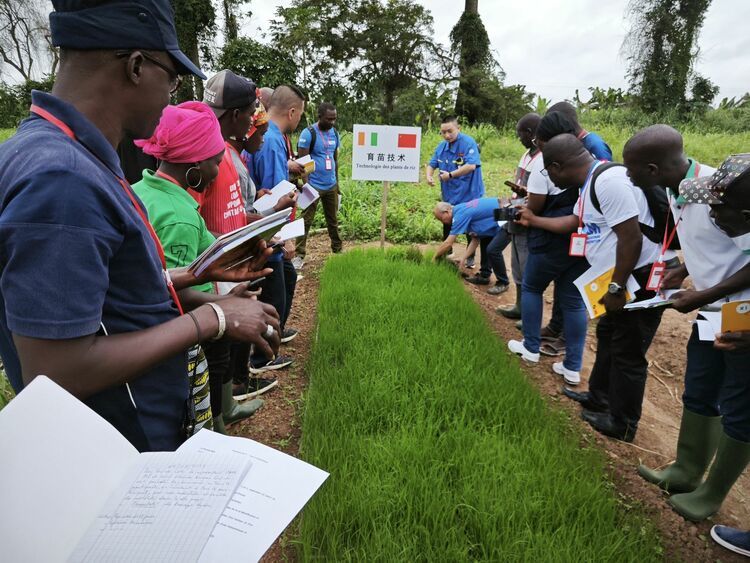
(716, 400)
(85, 297)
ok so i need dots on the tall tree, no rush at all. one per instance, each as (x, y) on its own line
(662, 47)
(25, 41)
(232, 18)
(195, 21)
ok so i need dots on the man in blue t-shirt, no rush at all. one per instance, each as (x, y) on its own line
(459, 168)
(593, 142)
(321, 142)
(476, 219)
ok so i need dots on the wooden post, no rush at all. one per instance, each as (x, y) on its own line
(383, 209)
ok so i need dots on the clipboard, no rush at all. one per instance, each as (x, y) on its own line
(735, 316)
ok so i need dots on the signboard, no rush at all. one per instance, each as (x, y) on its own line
(386, 153)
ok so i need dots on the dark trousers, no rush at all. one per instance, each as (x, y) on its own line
(330, 201)
(278, 290)
(618, 378)
(218, 358)
(493, 249)
(556, 321)
(718, 383)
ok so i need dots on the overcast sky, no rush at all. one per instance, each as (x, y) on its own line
(556, 46)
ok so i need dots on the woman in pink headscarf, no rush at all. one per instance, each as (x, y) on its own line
(189, 147)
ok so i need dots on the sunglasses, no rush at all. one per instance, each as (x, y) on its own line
(174, 79)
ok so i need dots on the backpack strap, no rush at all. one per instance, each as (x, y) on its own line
(592, 186)
(313, 136)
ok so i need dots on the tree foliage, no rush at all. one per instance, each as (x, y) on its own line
(265, 65)
(661, 47)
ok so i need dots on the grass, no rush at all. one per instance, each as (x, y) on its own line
(6, 391)
(410, 205)
(438, 447)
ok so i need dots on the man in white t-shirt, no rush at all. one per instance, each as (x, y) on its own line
(612, 405)
(717, 386)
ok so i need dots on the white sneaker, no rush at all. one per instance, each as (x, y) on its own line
(517, 347)
(569, 376)
(298, 262)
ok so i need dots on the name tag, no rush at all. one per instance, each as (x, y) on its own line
(656, 276)
(577, 244)
(329, 163)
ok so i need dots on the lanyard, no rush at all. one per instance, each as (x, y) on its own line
(669, 237)
(289, 153)
(44, 114)
(326, 140)
(167, 177)
(582, 197)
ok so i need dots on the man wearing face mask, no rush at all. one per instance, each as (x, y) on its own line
(460, 172)
(716, 413)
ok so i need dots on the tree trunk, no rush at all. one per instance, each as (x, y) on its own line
(472, 6)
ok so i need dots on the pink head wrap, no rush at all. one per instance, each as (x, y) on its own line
(186, 133)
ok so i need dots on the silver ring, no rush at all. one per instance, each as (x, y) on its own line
(269, 332)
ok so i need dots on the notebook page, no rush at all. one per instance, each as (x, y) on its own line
(60, 462)
(164, 510)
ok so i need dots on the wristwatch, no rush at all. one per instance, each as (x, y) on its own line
(615, 288)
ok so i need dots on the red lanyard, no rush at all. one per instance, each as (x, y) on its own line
(44, 114)
(326, 140)
(669, 238)
(289, 153)
(167, 177)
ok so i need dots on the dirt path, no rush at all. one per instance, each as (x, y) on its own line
(278, 423)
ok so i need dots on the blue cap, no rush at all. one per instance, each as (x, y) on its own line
(119, 24)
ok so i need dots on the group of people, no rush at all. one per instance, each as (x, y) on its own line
(574, 209)
(95, 286)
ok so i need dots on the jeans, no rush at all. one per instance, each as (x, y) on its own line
(556, 321)
(618, 378)
(492, 256)
(541, 270)
(519, 253)
(277, 290)
(330, 201)
(718, 383)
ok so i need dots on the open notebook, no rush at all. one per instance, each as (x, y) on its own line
(73, 489)
(233, 248)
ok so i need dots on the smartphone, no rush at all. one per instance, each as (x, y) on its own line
(506, 214)
(255, 282)
(515, 187)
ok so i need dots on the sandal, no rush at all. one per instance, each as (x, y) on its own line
(553, 348)
(548, 334)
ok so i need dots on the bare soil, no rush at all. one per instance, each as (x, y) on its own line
(278, 422)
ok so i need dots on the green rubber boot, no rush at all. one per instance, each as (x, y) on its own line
(219, 425)
(731, 459)
(513, 312)
(234, 411)
(696, 446)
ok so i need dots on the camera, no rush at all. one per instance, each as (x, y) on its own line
(506, 214)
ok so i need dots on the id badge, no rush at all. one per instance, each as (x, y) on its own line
(577, 244)
(329, 163)
(656, 275)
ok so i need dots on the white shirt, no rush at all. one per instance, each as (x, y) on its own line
(619, 200)
(711, 256)
(538, 183)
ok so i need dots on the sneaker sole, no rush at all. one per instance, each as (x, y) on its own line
(246, 396)
(565, 378)
(258, 371)
(725, 544)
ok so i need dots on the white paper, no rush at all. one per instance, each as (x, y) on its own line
(265, 203)
(501, 223)
(274, 490)
(308, 196)
(709, 325)
(660, 300)
(303, 160)
(164, 510)
(291, 230)
(60, 461)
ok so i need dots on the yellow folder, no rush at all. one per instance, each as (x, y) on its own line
(735, 316)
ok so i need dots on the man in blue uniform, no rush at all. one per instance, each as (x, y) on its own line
(459, 168)
(321, 142)
(84, 295)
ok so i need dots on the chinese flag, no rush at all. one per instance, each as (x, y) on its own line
(407, 140)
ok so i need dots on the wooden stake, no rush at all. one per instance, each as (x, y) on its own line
(383, 209)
